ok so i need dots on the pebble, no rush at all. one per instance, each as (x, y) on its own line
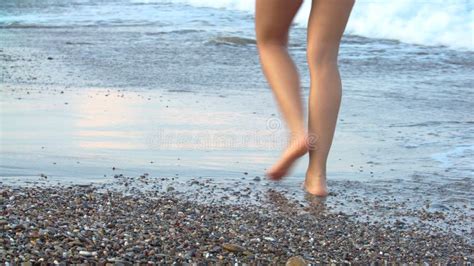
(296, 261)
(87, 253)
(232, 247)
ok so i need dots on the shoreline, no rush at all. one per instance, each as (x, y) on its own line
(148, 142)
(101, 224)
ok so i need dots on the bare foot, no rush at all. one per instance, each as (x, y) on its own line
(297, 148)
(316, 185)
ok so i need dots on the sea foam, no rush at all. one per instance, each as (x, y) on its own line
(434, 22)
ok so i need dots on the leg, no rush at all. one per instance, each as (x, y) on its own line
(272, 22)
(326, 25)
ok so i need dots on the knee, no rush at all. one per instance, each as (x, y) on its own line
(322, 54)
(269, 40)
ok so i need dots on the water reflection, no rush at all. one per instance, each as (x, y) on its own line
(316, 205)
(107, 121)
(284, 202)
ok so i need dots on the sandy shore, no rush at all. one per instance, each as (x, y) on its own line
(99, 224)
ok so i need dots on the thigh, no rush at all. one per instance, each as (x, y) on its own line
(327, 22)
(273, 19)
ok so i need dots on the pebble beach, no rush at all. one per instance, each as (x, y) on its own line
(103, 224)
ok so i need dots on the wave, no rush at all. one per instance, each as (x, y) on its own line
(24, 25)
(183, 31)
(453, 156)
(232, 40)
(17, 25)
(436, 22)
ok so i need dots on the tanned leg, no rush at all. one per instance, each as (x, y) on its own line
(272, 22)
(326, 25)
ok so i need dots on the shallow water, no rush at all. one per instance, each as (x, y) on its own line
(176, 90)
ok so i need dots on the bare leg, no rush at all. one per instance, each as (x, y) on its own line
(326, 25)
(272, 22)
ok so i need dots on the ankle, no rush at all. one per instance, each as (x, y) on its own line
(316, 175)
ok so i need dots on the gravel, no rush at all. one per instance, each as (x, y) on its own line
(93, 224)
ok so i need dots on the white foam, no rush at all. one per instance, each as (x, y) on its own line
(448, 158)
(435, 22)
